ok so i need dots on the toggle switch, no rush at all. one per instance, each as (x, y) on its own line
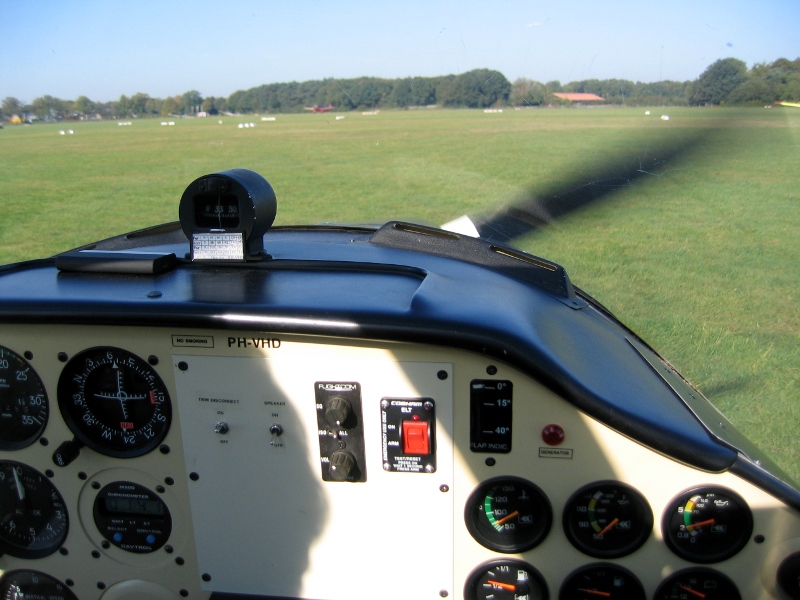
(415, 437)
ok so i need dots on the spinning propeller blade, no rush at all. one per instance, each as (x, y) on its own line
(541, 206)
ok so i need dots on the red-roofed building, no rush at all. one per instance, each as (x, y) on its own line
(579, 97)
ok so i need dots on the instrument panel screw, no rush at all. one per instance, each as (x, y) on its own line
(444, 593)
(444, 488)
(491, 370)
(442, 375)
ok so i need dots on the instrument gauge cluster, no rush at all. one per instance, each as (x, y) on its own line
(237, 449)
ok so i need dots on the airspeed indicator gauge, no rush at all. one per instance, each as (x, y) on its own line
(23, 402)
(114, 402)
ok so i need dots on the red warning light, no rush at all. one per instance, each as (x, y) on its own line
(553, 434)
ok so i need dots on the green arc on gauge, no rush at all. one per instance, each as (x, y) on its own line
(489, 510)
(592, 511)
(688, 510)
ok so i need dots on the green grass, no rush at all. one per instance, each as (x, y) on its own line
(702, 258)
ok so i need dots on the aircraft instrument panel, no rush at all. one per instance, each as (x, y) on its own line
(356, 413)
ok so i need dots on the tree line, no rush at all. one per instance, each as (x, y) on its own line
(726, 82)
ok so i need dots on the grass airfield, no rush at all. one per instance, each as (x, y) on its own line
(700, 256)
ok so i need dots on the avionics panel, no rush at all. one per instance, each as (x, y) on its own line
(242, 467)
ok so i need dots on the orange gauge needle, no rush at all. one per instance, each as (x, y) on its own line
(700, 524)
(691, 591)
(506, 586)
(596, 593)
(506, 518)
(609, 527)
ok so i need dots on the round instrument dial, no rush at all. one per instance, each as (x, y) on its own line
(505, 580)
(607, 519)
(114, 402)
(16, 585)
(697, 583)
(601, 581)
(707, 525)
(788, 575)
(33, 516)
(508, 514)
(23, 402)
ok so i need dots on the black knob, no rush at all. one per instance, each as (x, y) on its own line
(343, 465)
(67, 452)
(337, 411)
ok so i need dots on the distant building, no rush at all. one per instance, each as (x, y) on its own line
(579, 97)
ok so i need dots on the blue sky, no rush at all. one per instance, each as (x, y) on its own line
(102, 49)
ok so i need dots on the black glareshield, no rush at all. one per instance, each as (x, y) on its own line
(226, 214)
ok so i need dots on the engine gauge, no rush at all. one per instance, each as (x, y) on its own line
(508, 514)
(23, 402)
(33, 584)
(33, 516)
(505, 580)
(114, 402)
(707, 525)
(607, 519)
(601, 581)
(707, 584)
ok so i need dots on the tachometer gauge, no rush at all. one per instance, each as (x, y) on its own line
(23, 402)
(114, 402)
(16, 585)
(607, 519)
(694, 584)
(33, 516)
(508, 514)
(505, 580)
(707, 525)
(596, 581)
